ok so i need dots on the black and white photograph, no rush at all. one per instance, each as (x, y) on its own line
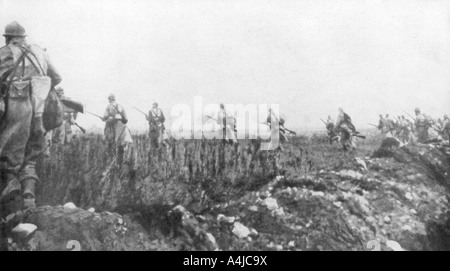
(218, 126)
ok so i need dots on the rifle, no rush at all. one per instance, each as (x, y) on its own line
(81, 128)
(324, 122)
(282, 129)
(146, 116)
(373, 125)
(76, 106)
(409, 115)
(94, 115)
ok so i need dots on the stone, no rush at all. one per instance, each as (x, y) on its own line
(387, 219)
(350, 174)
(317, 194)
(240, 230)
(24, 230)
(337, 204)
(70, 205)
(226, 219)
(278, 212)
(91, 210)
(394, 245)
(291, 244)
(211, 240)
(253, 208)
(254, 232)
(409, 196)
(361, 163)
(270, 203)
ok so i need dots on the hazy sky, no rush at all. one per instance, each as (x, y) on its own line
(310, 57)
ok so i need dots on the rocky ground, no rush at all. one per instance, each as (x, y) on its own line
(314, 197)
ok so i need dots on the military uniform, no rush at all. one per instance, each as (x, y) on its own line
(422, 126)
(228, 123)
(21, 130)
(404, 132)
(116, 132)
(346, 128)
(330, 129)
(156, 126)
(118, 136)
(64, 133)
(446, 128)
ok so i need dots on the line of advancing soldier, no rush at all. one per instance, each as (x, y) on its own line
(406, 130)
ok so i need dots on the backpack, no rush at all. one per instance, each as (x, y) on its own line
(51, 106)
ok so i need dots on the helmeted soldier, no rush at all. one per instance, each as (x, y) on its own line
(383, 126)
(228, 123)
(22, 138)
(118, 135)
(345, 127)
(330, 130)
(390, 125)
(404, 130)
(422, 125)
(156, 121)
(64, 133)
(446, 128)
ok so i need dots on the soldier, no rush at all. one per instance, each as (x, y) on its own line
(64, 133)
(22, 138)
(156, 121)
(118, 135)
(330, 130)
(422, 125)
(446, 128)
(228, 123)
(404, 132)
(382, 126)
(345, 127)
(390, 125)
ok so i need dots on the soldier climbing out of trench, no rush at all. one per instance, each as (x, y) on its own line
(346, 129)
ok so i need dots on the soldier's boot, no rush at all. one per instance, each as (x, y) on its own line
(29, 199)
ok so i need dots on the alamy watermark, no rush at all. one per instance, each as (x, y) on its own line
(227, 121)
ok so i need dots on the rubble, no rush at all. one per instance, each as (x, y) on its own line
(336, 203)
(240, 230)
(23, 231)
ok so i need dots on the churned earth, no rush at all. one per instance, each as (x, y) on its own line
(209, 196)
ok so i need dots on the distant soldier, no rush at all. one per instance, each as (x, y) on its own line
(22, 138)
(228, 122)
(383, 126)
(344, 118)
(404, 132)
(345, 127)
(446, 128)
(422, 125)
(390, 125)
(156, 121)
(117, 133)
(330, 130)
(64, 133)
(272, 117)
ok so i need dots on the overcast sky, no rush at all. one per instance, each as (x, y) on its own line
(310, 57)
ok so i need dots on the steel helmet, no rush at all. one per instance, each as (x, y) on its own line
(14, 29)
(59, 90)
(112, 96)
(417, 109)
